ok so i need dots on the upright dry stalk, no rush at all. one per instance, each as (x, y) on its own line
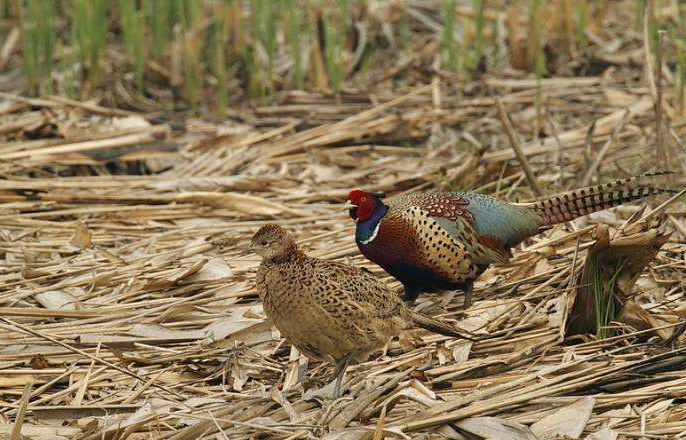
(660, 150)
(560, 145)
(514, 142)
(569, 27)
(605, 148)
(15, 434)
(655, 84)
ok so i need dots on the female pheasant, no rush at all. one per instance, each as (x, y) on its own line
(328, 310)
(436, 241)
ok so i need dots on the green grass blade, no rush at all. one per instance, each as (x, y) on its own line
(448, 44)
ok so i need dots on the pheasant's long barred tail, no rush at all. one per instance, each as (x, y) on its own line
(577, 203)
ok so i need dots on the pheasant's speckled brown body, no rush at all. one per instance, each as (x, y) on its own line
(329, 310)
(435, 241)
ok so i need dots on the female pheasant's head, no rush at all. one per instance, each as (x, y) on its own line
(274, 243)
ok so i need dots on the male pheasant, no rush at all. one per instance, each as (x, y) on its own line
(445, 240)
(329, 310)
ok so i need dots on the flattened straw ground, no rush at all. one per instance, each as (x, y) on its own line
(124, 240)
(164, 289)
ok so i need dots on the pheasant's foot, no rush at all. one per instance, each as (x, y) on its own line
(340, 372)
(384, 350)
(411, 294)
(468, 289)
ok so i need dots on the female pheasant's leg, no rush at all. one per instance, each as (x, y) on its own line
(341, 365)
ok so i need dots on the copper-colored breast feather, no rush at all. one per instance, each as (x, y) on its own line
(396, 247)
(435, 250)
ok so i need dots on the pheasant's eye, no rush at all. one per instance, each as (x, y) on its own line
(264, 242)
(363, 199)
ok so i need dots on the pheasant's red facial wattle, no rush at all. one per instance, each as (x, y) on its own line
(364, 204)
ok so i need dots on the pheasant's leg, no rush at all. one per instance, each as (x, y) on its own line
(411, 294)
(340, 372)
(384, 350)
(468, 289)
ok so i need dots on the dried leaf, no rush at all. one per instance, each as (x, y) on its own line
(164, 259)
(130, 122)
(82, 236)
(177, 276)
(239, 183)
(238, 377)
(278, 397)
(350, 434)
(633, 314)
(618, 98)
(296, 370)
(30, 273)
(157, 331)
(176, 312)
(16, 380)
(56, 300)
(494, 427)
(461, 352)
(364, 434)
(219, 329)
(448, 432)
(243, 203)
(604, 434)
(568, 421)
(215, 269)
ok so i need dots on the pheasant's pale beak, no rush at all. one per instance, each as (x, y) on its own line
(348, 205)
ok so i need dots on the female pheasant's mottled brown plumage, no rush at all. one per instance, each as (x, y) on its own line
(328, 310)
(435, 241)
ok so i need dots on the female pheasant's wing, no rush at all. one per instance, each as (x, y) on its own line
(354, 292)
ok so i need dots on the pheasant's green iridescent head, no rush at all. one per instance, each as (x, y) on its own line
(362, 204)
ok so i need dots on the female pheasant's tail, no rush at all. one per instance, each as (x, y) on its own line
(437, 326)
(579, 202)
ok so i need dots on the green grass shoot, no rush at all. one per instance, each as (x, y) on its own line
(479, 21)
(448, 44)
(132, 23)
(37, 22)
(294, 34)
(88, 34)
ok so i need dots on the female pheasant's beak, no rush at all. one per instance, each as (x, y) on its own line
(348, 205)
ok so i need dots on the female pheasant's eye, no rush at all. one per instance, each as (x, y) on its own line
(264, 242)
